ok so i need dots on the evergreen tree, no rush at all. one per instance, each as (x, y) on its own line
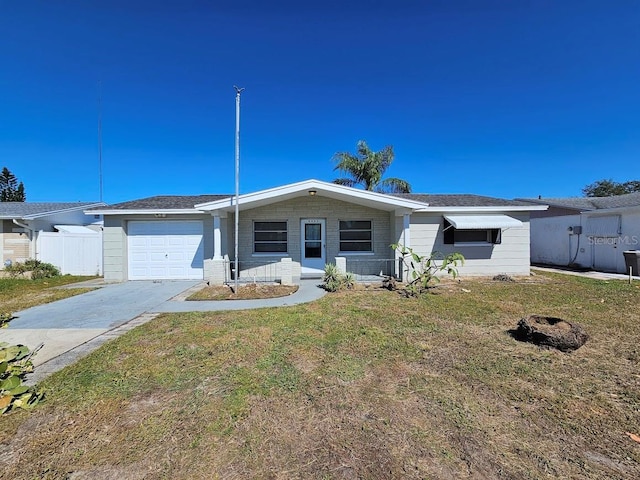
(10, 189)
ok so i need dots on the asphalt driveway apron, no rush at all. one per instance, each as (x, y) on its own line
(64, 324)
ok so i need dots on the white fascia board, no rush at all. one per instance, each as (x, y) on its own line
(330, 190)
(182, 211)
(496, 209)
(55, 212)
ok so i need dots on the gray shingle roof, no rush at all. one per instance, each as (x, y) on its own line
(461, 200)
(590, 203)
(166, 202)
(36, 209)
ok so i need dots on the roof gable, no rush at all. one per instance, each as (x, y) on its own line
(314, 188)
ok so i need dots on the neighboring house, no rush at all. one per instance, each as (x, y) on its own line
(292, 231)
(586, 232)
(26, 232)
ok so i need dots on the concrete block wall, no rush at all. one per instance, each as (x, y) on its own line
(295, 210)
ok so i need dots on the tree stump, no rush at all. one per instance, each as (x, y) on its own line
(551, 332)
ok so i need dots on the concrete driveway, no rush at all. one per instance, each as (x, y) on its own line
(65, 324)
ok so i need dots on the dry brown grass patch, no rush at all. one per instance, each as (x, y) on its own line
(252, 291)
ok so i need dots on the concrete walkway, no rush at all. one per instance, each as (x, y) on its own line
(73, 327)
(588, 274)
(308, 291)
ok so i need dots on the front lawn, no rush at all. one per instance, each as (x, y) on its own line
(364, 384)
(21, 293)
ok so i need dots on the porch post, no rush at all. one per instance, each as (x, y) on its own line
(406, 225)
(217, 237)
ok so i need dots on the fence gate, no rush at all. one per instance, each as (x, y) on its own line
(72, 253)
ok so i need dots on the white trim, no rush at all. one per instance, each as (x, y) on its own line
(332, 190)
(482, 209)
(482, 222)
(277, 255)
(355, 254)
(473, 244)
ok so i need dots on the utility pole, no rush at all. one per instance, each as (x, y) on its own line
(100, 137)
(237, 212)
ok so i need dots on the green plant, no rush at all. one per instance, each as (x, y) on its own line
(334, 280)
(5, 318)
(37, 268)
(15, 363)
(424, 269)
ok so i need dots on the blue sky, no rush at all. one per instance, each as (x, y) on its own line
(502, 98)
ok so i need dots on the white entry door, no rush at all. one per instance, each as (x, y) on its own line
(165, 250)
(313, 246)
(605, 253)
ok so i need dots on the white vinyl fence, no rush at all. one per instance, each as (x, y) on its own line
(72, 253)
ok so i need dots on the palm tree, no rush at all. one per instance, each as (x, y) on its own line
(367, 167)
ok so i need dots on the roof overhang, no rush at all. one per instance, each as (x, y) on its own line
(314, 189)
(494, 209)
(480, 222)
(155, 211)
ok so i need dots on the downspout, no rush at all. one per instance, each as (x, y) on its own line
(31, 235)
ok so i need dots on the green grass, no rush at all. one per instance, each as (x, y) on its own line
(364, 384)
(21, 293)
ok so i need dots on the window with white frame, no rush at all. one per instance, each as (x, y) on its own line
(356, 236)
(480, 236)
(270, 237)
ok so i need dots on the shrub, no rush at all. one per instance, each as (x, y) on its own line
(334, 280)
(37, 268)
(15, 363)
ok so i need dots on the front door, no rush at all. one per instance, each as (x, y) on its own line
(313, 247)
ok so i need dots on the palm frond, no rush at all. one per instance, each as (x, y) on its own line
(346, 182)
(393, 185)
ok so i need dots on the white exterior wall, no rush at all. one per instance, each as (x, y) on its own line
(552, 244)
(551, 241)
(510, 257)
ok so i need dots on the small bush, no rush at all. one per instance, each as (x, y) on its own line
(334, 280)
(15, 363)
(37, 268)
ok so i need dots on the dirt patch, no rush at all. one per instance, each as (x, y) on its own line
(551, 332)
(254, 291)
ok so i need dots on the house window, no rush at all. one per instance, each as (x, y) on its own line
(481, 236)
(356, 236)
(270, 237)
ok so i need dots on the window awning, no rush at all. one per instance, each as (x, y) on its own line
(479, 222)
(74, 229)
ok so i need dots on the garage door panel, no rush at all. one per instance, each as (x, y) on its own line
(165, 250)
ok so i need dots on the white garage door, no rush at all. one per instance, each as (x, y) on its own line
(165, 250)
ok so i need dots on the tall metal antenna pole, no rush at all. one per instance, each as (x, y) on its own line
(237, 272)
(100, 136)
